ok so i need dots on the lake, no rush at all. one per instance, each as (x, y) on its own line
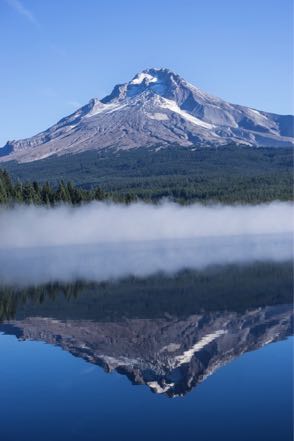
(195, 352)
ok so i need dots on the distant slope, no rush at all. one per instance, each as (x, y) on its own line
(156, 108)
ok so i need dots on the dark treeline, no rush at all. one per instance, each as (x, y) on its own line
(183, 294)
(46, 194)
(227, 190)
(228, 175)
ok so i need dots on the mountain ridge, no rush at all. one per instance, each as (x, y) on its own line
(155, 108)
(169, 355)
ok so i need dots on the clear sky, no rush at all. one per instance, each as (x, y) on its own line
(57, 54)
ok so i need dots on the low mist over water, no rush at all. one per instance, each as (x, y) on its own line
(107, 222)
(102, 241)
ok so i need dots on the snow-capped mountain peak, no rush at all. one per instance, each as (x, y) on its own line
(158, 81)
(143, 77)
(155, 108)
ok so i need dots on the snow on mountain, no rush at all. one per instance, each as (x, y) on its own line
(156, 108)
(170, 355)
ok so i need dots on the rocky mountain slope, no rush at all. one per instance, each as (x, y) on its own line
(156, 108)
(169, 355)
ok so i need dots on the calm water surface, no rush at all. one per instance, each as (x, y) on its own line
(201, 354)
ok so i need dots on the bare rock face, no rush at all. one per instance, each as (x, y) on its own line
(155, 108)
(170, 355)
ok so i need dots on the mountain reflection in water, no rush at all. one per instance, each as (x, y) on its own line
(167, 332)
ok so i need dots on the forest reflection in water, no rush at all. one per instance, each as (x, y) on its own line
(168, 332)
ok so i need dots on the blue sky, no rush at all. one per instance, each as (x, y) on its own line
(57, 54)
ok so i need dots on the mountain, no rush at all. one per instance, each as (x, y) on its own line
(166, 331)
(169, 355)
(156, 108)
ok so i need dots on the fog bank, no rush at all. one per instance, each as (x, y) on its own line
(104, 222)
(100, 241)
(27, 266)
